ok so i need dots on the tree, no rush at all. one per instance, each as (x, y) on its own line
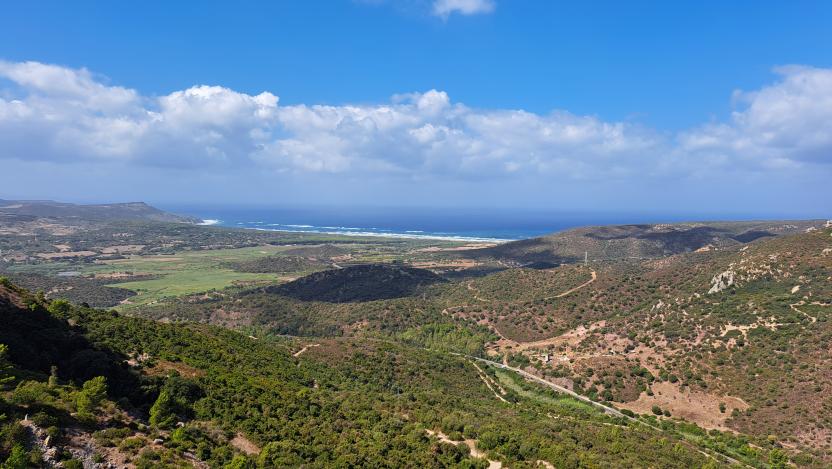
(59, 307)
(53, 376)
(163, 411)
(279, 454)
(5, 367)
(777, 459)
(92, 393)
(240, 462)
(18, 459)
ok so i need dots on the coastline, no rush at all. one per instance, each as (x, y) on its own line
(359, 232)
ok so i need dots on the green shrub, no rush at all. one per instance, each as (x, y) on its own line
(162, 413)
(18, 459)
(73, 464)
(92, 393)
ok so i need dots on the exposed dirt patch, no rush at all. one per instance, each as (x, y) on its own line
(305, 348)
(66, 254)
(698, 407)
(245, 445)
(163, 367)
(122, 249)
(569, 339)
(460, 264)
(117, 275)
(471, 444)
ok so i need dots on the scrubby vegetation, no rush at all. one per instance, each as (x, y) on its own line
(696, 346)
(234, 395)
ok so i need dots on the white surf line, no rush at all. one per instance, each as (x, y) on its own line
(373, 234)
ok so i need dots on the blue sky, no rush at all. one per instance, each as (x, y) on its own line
(421, 102)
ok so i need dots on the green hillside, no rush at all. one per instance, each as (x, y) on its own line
(247, 402)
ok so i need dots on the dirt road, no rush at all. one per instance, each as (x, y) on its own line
(573, 290)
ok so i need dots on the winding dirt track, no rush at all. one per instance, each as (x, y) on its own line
(305, 348)
(573, 290)
(475, 291)
(606, 409)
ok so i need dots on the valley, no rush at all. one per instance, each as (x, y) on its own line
(718, 350)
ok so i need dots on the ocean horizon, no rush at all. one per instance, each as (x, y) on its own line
(475, 225)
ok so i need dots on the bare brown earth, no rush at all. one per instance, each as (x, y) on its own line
(122, 249)
(569, 339)
(471, 444)
(458, 264)
(695, 406)
(117, 275)
(305, 348)
(245, 445)
(66, 254)
(163, 367)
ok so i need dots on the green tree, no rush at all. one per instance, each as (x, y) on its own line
(5, 367)
(53, 376)
(59, 307)
(163, 411)
(92, 393)
(777, 459)
(240, 462)
(18, 459)
(279, 454)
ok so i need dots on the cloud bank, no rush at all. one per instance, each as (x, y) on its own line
(58, 115)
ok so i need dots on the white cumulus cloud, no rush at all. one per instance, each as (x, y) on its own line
(445, 8)
(785, 124)
(55, 114)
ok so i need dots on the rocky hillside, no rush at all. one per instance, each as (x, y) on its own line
(732, 338)
(638, 241)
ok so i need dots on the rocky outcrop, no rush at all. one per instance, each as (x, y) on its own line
(722, 281)
(40, 439)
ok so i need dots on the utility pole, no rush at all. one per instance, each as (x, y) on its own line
(586, 257)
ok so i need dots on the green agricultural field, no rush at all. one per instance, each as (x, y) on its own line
(189, 272)
(185, 272)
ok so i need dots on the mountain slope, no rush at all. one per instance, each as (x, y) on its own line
(358, 283)
(250, 402)
(637, 241)
(24, 210)
(735, 338)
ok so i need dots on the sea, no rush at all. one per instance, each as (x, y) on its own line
(461, 224)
